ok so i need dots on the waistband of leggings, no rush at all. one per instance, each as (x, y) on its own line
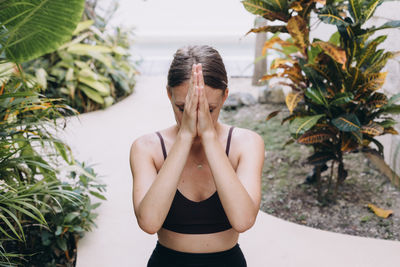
(162, 249)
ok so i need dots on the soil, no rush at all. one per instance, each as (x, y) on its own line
(285, 195)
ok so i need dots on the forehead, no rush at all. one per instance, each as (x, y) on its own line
(179, 93)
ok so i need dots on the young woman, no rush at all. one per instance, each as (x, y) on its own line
(197, 184)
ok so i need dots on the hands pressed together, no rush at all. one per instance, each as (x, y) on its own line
(196, 119)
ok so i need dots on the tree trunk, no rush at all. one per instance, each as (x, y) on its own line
(260, 67)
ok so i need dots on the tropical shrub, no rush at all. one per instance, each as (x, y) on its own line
(91, 71)
(42, 209)
(336, 105)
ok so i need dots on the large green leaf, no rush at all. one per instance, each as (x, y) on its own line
(92, 94)
(302, 124)
(37, 27)
(329, 15)
(266, 9)
(279, 5)
(315, 77)
(102, 87)
(347, 123)
(342, 98)
(316, 96)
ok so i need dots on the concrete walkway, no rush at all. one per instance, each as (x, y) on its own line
(103, 138)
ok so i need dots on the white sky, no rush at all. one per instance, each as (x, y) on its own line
(211, 17)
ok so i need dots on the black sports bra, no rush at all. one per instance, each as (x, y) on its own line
(192, 217)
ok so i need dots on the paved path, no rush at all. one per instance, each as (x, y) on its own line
(104, 138)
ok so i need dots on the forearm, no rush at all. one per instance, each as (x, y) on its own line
(238, 205)
(154, 207)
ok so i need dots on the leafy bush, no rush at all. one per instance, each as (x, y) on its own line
(42, 210)
(37, 200)
(92, 71)
(335, 104)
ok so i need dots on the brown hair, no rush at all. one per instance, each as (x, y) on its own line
(213, 67)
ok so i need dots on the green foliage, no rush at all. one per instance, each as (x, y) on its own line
(33, 28)
(36, 198)
(335, 105)
(91, 71)
(66, 220)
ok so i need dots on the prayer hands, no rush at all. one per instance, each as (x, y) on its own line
(205, 125)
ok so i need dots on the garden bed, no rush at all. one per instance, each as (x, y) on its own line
(285, 195)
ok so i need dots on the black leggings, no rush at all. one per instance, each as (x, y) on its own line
(166, 257)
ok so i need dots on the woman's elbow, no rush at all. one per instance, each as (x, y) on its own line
(148, 227)
(244, 226)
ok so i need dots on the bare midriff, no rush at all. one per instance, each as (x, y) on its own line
(198, 243)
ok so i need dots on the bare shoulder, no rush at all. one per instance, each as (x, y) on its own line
(143, 148)
(144, 143)
(246, 137)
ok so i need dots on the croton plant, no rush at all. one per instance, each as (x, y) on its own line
(336, 104)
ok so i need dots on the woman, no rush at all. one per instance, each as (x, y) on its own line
(197, 183)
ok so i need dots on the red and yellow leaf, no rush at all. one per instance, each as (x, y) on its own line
(272, 114)
(297, 27)
(337, 53)
(372, 128)
(390, 130)
(375, 81)
(281, 63)
(269, 28)
(270, 76)
(315, 137)
(274, 40)
(296, 6)
(380, 212)
(377, 100)
(294, 73)
(348, 144)
(292, 99)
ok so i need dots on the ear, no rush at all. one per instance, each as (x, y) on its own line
(226, 94)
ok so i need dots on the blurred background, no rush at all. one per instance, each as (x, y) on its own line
(161, 27)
